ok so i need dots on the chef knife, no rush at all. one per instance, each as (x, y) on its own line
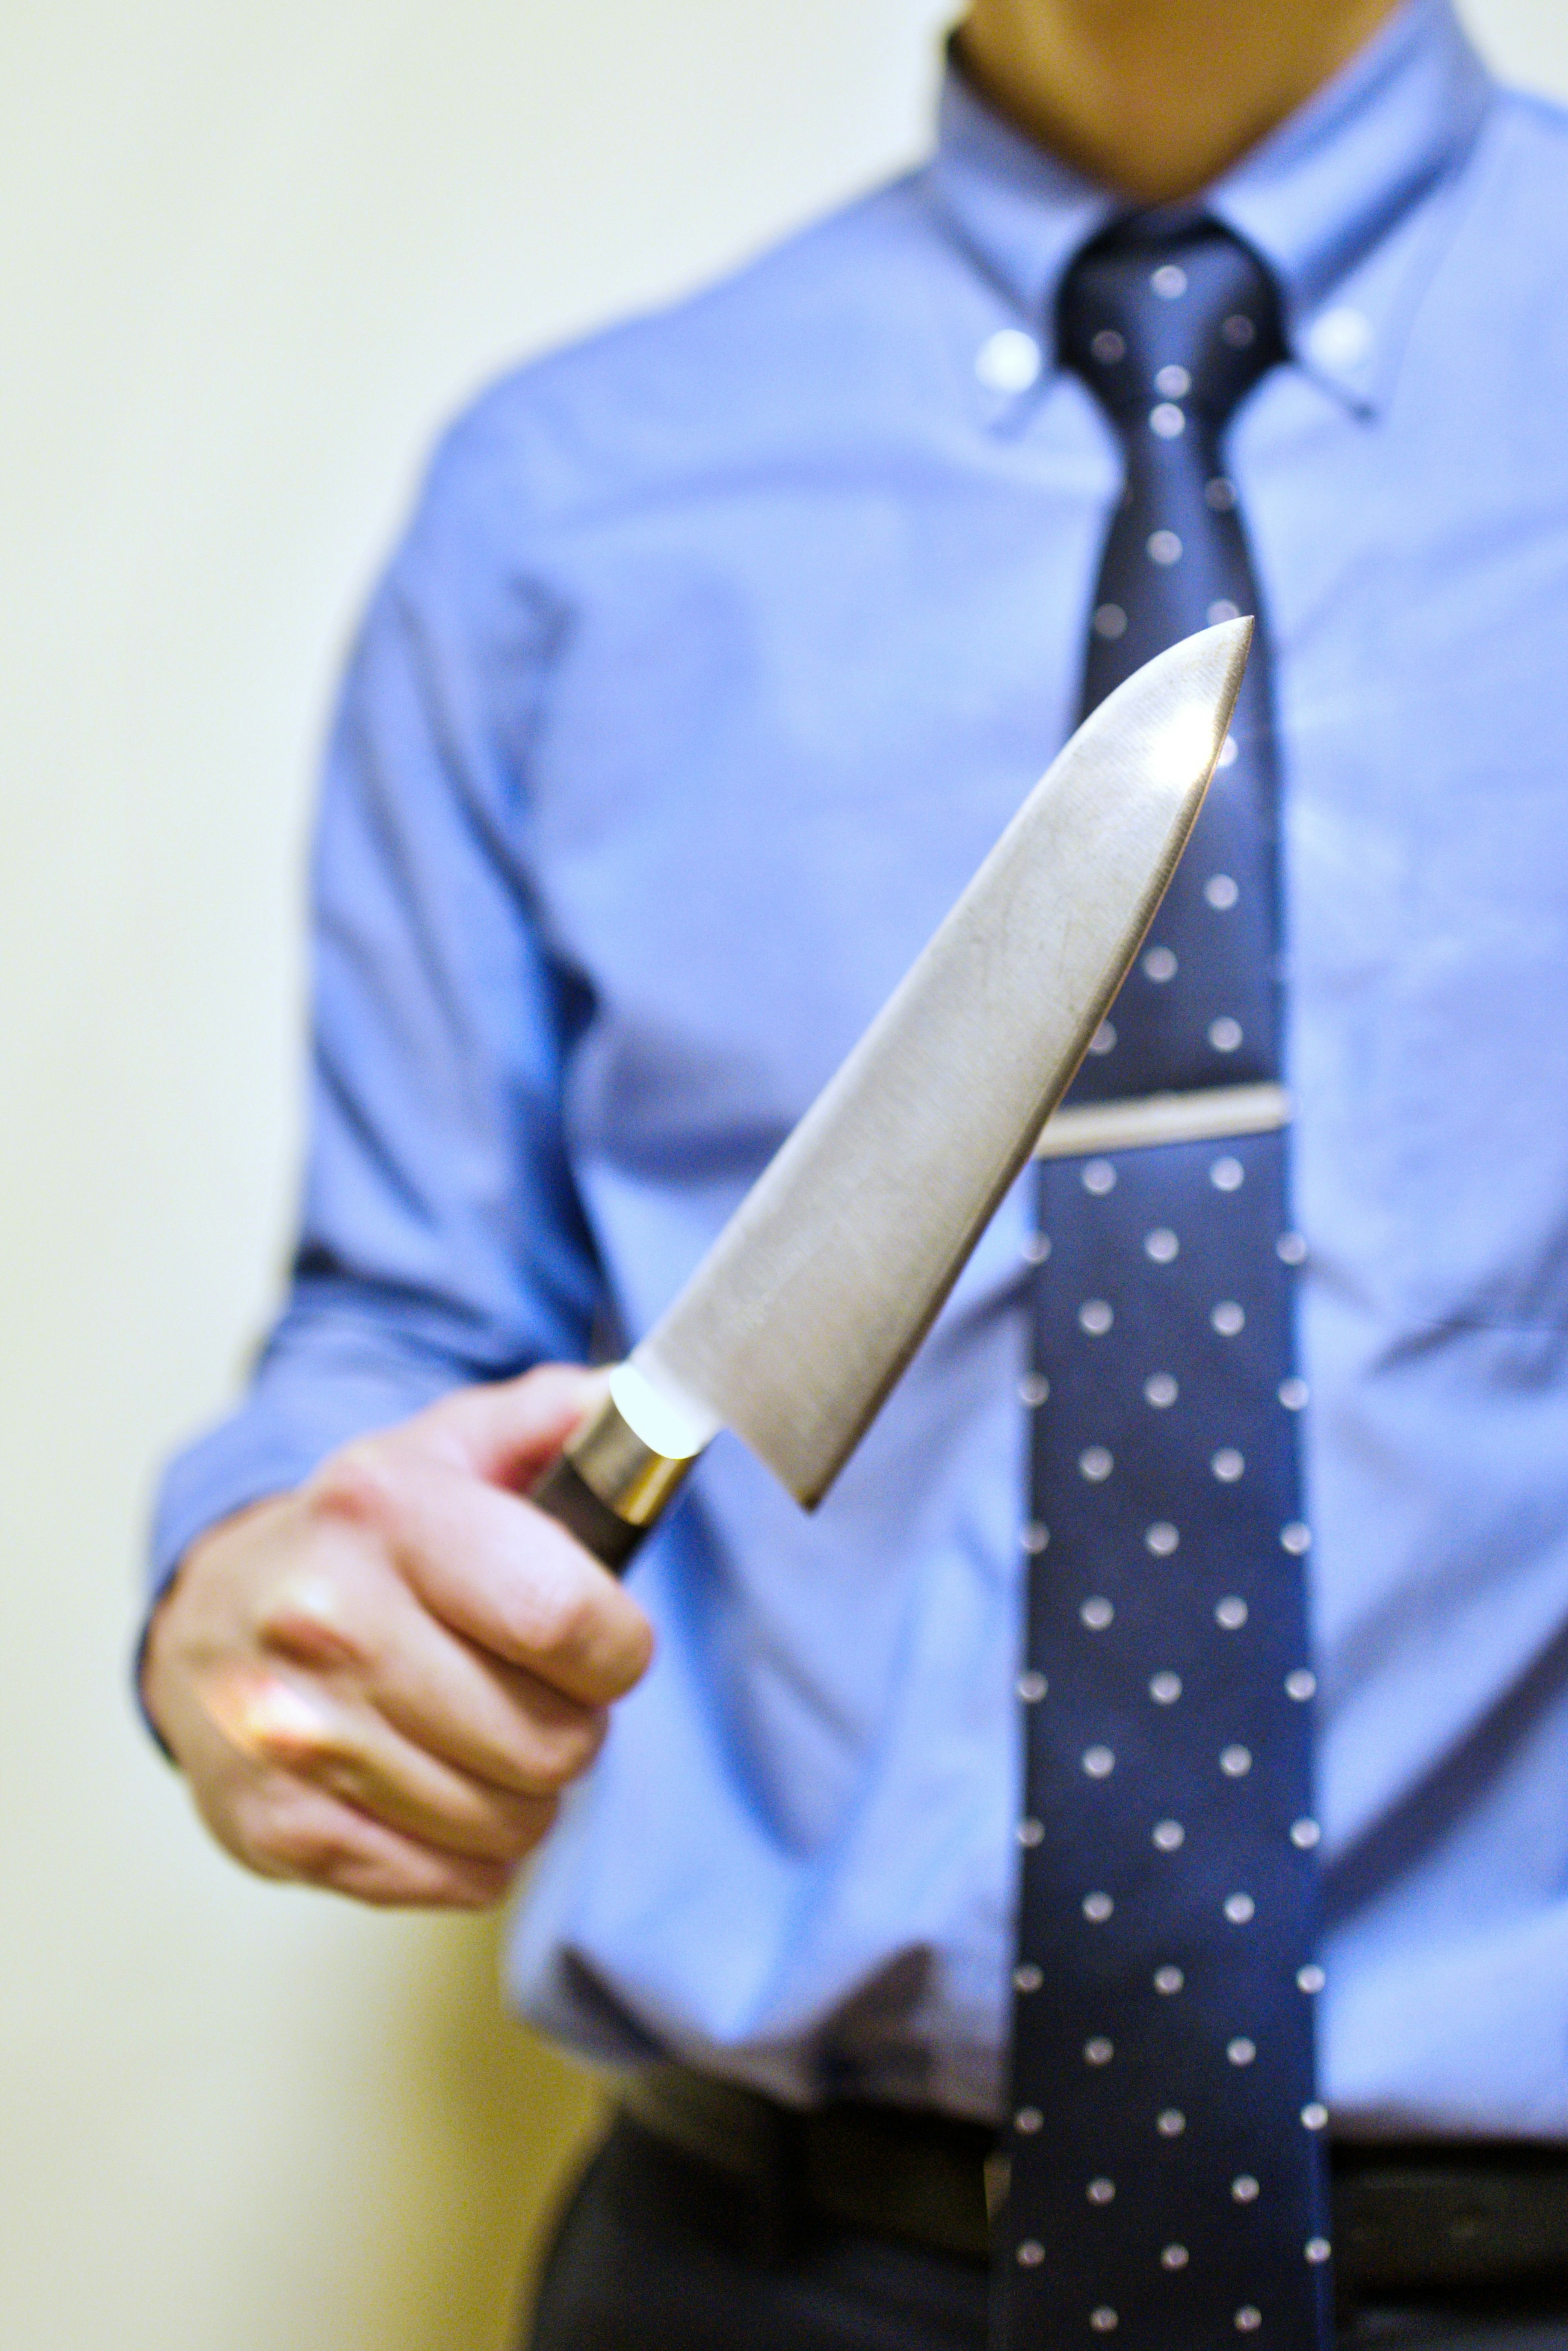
(813, 1299)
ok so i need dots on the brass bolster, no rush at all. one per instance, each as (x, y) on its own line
(626, 1474)
(1209, 1115)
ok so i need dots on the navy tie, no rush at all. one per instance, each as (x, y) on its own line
(1167, 2139)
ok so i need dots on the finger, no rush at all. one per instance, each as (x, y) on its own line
(491, 1568)
(348, 1751)
(284, 1829)
(511, 1430)
(460, 1702)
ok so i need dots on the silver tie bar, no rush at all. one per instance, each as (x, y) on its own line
(1207, 1115)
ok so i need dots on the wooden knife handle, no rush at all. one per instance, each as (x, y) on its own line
(569, 1499)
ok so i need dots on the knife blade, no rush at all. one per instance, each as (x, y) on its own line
(811, 1302)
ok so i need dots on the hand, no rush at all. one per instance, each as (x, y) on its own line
(380, 1682)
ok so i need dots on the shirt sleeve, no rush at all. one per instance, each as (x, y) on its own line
(442, 1240)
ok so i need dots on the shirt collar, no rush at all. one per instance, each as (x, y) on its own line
(1322, 199)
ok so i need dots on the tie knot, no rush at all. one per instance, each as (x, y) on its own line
(1161, 323)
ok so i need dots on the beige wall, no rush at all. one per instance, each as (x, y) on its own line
(252, 253)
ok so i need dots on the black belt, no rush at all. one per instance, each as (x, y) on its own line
(1419, 2219)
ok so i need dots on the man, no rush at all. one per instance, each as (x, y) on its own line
(717, 654)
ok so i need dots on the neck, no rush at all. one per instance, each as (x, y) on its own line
(1156, 98)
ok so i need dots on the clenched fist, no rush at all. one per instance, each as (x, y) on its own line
(380, 1682)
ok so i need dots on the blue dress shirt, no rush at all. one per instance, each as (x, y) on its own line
(718, 652)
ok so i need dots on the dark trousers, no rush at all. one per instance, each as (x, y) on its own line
(658, 2252)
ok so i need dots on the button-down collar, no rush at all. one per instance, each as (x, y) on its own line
(1332, 200)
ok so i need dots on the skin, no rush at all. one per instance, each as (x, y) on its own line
(1156, 98)
(382, 1682)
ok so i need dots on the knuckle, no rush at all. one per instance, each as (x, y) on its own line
(359, 1486)
(268, 1718)
(306, 1619)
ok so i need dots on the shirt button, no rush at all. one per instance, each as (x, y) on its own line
(1008, 360)
(1341, 338)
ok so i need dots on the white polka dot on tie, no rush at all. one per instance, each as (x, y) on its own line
(1228, 1465)
(1104, 1040)
(1221, 494)
(1035, 1249)
(1304, 1835)
(1241, 2052)
(1160, 965)
(1169, 1980)
(1098, 1176)
(1103, 2319)
(1162, 1245)
(1008, 360)
(1032, 1687)
(1095, 1317)
(1101, 2191)
(1167, 421)
(1030, 2253)
(1236, 1761)
(1170, 2121)
(1028, 2120)
(1028, 1977)
(1030, 1833)
(1311, 1978)
(1317, 2249)
(1291, 1249)
(1293, 1394)
(1225, 1034)
(1034, 1538)
(1097, 1908)
(1301, 1684)
(1173, 382)
(1229, 753)
(1295, 1538)
(1095, 1463)
(1109, 623)
(1164, 548)
(1230, 1614)
(1220, 891)
(1169, 281)
(1097, 1614)
(1174, 2257)
(1227, 1318)
(1169, 1837)
(1239, 331)
(1160, 1390)
(1164, 1688)
(1162, 1538)
(1315, 2116)
(1244, 2188)
(1222, 608)
(1099, 1763)
(1240, 1908)
(1108, 346)
(1248, 2318)
(1033, 1389)
(1227, 1175)
(1099, 2051)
